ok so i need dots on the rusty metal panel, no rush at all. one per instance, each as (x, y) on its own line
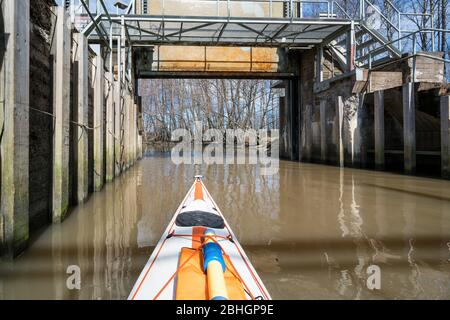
(195, 58)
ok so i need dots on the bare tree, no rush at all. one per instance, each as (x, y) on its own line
(221, 104)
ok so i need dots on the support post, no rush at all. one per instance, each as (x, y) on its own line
(319, 64)
(293, 119)
(139, 141)
(99, 128)
(109, 87)
(358, 158)
(14, 125)
(127, 130)
(445, 136)
(340, 128)
(323, 131)
(61, 110)
(351, 48)
(308, 133)
(409, 128)
(134, 133)
(81, 115)
(379, 130)
(117, 127)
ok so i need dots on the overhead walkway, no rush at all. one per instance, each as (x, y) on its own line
(365, 37)
(267, 23)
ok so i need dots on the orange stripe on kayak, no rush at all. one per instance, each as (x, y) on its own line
(198, 193)
(197, 234)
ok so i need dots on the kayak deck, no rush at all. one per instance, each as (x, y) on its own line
(159, 278)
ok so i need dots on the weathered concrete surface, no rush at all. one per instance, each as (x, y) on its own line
(118, 129)
(344, 132)
(339, 125)
(379, 129)
(323, 131)
(99, 128)
(109, 89)
(134, 132)
(125, 117)
(14, 97)
(428, 70)
(409, 128)
(61, 111)
(41, 121)
(81, 115)
(445, 136)
(307, 133)
(90, 125)
(284, 129)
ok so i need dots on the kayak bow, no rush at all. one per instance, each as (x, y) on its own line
(198, 257)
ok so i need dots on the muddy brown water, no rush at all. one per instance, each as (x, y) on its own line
(311, 232)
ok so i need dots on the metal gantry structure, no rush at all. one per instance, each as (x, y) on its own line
(367, 37)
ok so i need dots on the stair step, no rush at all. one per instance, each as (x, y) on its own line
(366, 44)
(373, 53)
(377, 62)
(381, 39)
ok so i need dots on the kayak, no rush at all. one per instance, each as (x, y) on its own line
(198, 257)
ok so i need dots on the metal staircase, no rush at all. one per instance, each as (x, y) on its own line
(373, 47)
(380, 35)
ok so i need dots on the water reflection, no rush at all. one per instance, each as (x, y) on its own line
(311, 232)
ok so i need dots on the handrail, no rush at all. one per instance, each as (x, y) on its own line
(428, 30)
(131, 6)
(381, 14)
(411, 36)
(226, 5)
(335, 3)
(393, 6)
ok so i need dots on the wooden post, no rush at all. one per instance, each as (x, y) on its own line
(323, 131)
(61, 110)
(445, 136)
(109, 88)
(409, 128)
(134, 132)
(14, 125)
(117, 127)
(357, 153)
(127, 130)
(81, 83)
(99, 128)
(118, 118)
(308, 132)
(340, 128)
(379, 130)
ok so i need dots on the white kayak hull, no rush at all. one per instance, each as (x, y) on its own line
(158, 279)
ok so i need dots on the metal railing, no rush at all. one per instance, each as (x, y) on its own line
(392, 22)
(294, 9)
(412, 37)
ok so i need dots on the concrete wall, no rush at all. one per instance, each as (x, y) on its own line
(53, 107)
(321, 131)
(41, 124)
(338, 123)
